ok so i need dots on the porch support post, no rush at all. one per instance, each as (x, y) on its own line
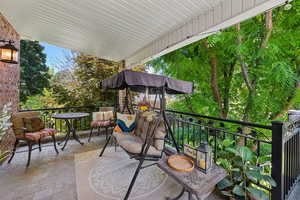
(277, 160)
(122, 93)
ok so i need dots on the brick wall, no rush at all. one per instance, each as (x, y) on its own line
(9, 79)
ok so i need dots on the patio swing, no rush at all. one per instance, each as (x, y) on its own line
(144, 149)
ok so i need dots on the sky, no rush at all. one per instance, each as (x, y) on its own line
(54, 54)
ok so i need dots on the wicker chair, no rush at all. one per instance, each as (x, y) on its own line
(106, 124)
(22, 133)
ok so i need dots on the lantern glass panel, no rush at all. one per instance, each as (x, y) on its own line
(201, 159)
(15, 55)
(6, 54)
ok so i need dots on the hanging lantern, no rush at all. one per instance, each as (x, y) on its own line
(8, 52)
(204, 157)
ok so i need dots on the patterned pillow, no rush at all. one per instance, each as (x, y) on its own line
(117, 129)
(33, 124)
(126, 122)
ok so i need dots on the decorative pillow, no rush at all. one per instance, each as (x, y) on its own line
(117, 129)
(126, 122)
(108, 115)
(98, 116)
(103, 116)
(33, 124)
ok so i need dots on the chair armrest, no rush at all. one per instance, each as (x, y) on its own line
(23, 129)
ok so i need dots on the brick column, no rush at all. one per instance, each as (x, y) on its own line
(9, 80)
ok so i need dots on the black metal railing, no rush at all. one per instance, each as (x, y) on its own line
(290, 157)
(278, 143)
(193, 129)
(81, 124)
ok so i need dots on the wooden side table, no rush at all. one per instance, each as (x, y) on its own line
(196, 182)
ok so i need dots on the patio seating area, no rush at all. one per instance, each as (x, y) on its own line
(52, 176)
(80, 146)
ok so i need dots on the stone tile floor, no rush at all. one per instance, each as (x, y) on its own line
(49, 176)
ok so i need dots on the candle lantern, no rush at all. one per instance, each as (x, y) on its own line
(8, 52)
(204, 157)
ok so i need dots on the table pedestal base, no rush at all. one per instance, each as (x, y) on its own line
(72, 130)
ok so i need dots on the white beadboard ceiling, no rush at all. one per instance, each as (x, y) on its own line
(132, 30)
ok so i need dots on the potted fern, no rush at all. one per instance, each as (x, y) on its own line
(5, 124)
(243, 172)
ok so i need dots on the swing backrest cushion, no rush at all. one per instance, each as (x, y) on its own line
(159, 132)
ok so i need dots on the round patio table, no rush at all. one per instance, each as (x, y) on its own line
(70, 119)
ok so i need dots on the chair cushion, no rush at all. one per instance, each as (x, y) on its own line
(38, 134)
(105, 109)
(144, 129)
(101, 123)
(103, 116)
(159, 135)
(33, 124)
(133, 144)
(18, 120)
(139, 124)
(125, 135)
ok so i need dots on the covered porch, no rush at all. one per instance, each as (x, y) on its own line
(132, 33)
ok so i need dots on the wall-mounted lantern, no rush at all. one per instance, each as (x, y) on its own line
(8, 52)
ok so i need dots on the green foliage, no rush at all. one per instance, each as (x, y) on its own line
(45, 100)
(244, 170)
(80, 83)
(34, 72)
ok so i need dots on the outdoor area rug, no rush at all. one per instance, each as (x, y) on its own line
(108, 178)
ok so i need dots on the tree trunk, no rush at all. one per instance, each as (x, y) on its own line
(244, 68)
(214, 78)
(214, 83)
(227, 85)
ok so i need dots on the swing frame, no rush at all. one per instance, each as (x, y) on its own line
(159, 85)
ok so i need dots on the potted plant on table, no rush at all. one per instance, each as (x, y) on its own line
(244, 171)
(5, 124)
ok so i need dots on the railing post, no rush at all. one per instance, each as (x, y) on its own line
(277, 192)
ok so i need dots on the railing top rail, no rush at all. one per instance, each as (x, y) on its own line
(223, 120)
(171, 111)
(63, 108)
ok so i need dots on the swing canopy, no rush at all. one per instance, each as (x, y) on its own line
(139, 81)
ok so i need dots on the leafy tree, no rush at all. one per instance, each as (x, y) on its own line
(80, 84)
(45, 100)
(248, 72)
(34, 72)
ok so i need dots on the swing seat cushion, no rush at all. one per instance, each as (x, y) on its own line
(133, 144)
